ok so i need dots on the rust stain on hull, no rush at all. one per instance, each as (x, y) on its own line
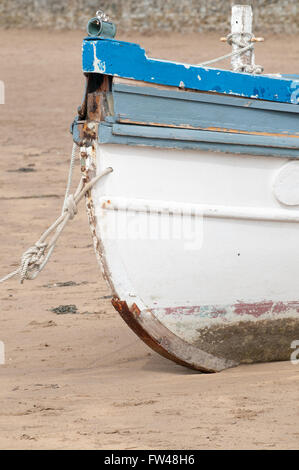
(167, 344)
(122, 308)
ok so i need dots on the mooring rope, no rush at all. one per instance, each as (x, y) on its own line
(255, 69)
(34, 259)
(227, 56)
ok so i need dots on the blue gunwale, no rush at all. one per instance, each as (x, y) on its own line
(197, 140)
(152, 106)
(129, 60)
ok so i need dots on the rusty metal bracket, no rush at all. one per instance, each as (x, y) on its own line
(94, 107)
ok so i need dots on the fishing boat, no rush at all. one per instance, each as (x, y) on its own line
(196, 229)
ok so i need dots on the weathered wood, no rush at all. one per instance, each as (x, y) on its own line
(241, 24)
(98, 103)
(155, 105)
(127, 60)
(201, 140)
(205, 136)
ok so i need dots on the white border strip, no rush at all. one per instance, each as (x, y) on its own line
(198, 210)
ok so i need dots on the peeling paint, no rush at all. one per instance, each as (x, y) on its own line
(98, 64)
(130, 60)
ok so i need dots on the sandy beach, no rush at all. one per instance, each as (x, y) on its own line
(83, 380)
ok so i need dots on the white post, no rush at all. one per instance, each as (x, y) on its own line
(242, 33)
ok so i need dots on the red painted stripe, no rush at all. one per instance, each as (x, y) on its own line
(255, 310)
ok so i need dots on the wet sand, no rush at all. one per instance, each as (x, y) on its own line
(84, 380)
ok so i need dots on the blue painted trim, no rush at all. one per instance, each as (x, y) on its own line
(149, 105)
(204, 97)
(168, 133)
(290, 76)
(128, 60)
(197, 140)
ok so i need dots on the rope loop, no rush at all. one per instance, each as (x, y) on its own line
(245, 45)
(246, 38)
(37, 256)
(71, 206)
(31, 261)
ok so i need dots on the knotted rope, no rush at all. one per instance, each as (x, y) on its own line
(244, 47)
(37, 256)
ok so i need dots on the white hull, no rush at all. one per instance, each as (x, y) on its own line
(200, 242)
(196, 229)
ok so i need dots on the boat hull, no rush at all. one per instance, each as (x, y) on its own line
(200, 250)
(196, 229)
